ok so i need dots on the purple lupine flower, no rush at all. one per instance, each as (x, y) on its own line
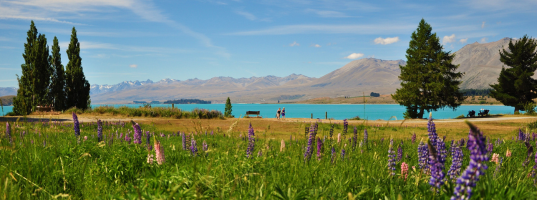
(391, 158)
(433, 137)
(436, 167)
(345, 126)
(451, 148)
(148, 138)
(343, 154)
(193, 148)
(441, 151)
(528, 154)
(365, 137)
(423, 160)
(399, 153)
(319, 148)
(205, 146)
(354, 138)
(311, 140)
(456, 163)
(521, 135)
(477, 166)
(332, 154)
(137, 134)
(127, 138)
(183, 140)
(413, 138)
(490, 147)
(331, 131)
(212, 133)
(251, 141)
(76, 124)
(99, 131)
(8, 132)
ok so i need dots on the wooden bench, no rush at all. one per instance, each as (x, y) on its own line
(248, 113)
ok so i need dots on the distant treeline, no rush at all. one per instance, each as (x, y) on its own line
(187, 101)
(374, 94)
(475, 92)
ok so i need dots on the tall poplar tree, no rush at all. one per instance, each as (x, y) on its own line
(77, 87)
(57, 86)
(227, 111)
(429, 80)
(36, 71)
(515, 86)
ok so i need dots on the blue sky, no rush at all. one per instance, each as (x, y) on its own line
(140, 39)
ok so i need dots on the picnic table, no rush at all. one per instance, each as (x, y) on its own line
(248, 113)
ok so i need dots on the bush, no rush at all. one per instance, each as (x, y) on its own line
(530, 108)
(460, 116)
(356, 118)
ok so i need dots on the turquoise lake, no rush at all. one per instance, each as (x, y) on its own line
(336, 111)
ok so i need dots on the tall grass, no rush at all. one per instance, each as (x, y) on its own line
(115, 169)
(195, 113)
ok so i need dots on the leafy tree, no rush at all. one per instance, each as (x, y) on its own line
(515, 86)
(429, 80)
(227, 111)
(77, 87)
(58, 78)
(35, 79)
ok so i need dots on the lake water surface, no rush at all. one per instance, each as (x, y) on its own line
(336, 111)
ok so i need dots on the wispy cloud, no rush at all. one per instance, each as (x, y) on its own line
(133, 66)
(385, 41)
(483, 40)
(294, 44)
(330, 29)
(448, 39)
(354, 56)
(316, 45)
(483, 25)
(463, 40)
(247, 15)
(327, 13)
(86, 45)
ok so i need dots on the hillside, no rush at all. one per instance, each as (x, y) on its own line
(7, 100)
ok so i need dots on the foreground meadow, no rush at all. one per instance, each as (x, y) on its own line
(125, 160)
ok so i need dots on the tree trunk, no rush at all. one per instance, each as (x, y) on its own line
(420, 114)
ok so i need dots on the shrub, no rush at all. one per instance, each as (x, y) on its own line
(460, 116)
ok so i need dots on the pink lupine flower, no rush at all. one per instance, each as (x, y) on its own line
(495, 158)
(404, 170)
(159, 151)
(85, 138)
(150, 158)
(338, 137)
(508, 153)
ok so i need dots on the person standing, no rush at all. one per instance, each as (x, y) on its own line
(283, 112)
(278, 113)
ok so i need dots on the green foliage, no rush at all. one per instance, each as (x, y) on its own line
(195, 113)
(227, 111)
(530, 108)
(115, 169)
(460, 117)
(356, 118)
(515, 86)
(473, 92)
(36, 72)
(77, 87)
(429, 80)
(57, 86)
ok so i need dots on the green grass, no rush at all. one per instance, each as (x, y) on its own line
(64, 168)
(148, 111)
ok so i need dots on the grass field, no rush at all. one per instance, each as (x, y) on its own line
(46, 160)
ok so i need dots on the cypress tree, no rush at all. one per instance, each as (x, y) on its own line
(77, 87)
(35, 79)
(227, 111)
(429, 80)
(58, 78)
(515, 86)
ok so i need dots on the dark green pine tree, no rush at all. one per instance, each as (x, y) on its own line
(429, 80)
(227, 111)
(77, 87)
(57, 86)
(36, 71)
(515, 86)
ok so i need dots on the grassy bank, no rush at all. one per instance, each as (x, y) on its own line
(148, 111)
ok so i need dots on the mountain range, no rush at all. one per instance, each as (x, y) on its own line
(480, 63)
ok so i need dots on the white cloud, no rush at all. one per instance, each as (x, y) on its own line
(448, 39)
(385, 41)
(483, 25)
(327, 13)
(354, 55)
(133, 66)
(331, 29)
(483, 40)
(463, 40)
(294, 44)
(316, 45)
(247, 15)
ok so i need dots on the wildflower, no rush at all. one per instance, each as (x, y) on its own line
(127, 138)
(8, 132)
(147, 138)
(365, 137)
(413, 138)
(433, 137)
(282, 145)
(456, 163)
(342, 154)
(404, 170)
(205, 146)
(391, 158)
(490, 147)
(137, 134)
(477, 166)
(76, 124)
(319, 148)
(338, 137)
(423, 154)
(399, 153)
(331, 131)
(259, 153)
(159, 153)
(355, 138)
(436, 166)
(251, 141)
(183, 141)
(150, 158)
(508, 153)
(495, 158)
(85, 138)
(332, 154)
(311, 140)
(193, 147)
(345, 126)
(99, 131)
